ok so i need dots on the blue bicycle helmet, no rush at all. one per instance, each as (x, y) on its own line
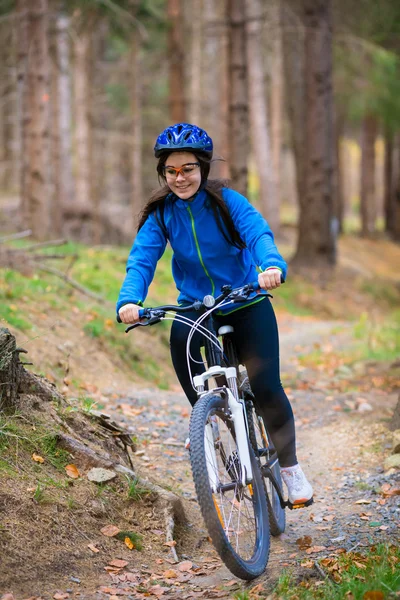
(181, 137)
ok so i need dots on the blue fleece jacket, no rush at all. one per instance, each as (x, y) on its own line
(203, 261)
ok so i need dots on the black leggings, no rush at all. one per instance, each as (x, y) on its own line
(256, 339)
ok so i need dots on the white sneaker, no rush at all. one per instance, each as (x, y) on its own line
(299, 490)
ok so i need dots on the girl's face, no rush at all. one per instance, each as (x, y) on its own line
(182, 173)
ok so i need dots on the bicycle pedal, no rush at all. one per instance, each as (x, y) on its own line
(300, 505)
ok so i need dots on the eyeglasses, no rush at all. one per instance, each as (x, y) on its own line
(185, 170)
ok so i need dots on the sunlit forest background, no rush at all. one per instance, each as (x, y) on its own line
(301, 98)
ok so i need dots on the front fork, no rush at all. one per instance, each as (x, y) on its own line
(238, 412)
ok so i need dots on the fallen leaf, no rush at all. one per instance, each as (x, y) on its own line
(170, 574)
(304, 542)
(158, 590)
(314, 549)
(308, 564)
(374, 595)
(72, 471)
(93, 548)
(170, 544)
(110, 530)
(186, 565)
(128, 542)
(362, 501)
(328, 517)
(60, 596)
(116, 562)
(392, 492)
(37, 458)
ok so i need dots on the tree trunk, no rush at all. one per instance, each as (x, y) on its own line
(238, 105)
(65, 176)
(389, 203)
(277, 97)
(10, 370)
(176, 55)
(316, 244)
(395, 231)
(368, 176)
(221, 110)
(293, 39)
(80, 215)
(339, 205)
(34, 77)
(136, 109)
(258, 109)
(195, 64)
(8, 177)
(395, 421)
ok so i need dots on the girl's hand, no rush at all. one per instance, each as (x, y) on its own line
(129, 313)
(270, 279)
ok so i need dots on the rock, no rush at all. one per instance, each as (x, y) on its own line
(392, 462)
(396, 441)
(100, 475)
(364, 407)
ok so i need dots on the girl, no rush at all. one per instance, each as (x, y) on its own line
(217, 238)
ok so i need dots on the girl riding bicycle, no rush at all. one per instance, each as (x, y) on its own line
(217, 238)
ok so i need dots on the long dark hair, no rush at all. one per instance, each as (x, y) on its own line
(213, 187)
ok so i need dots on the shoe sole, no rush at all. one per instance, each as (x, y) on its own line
(300, 503)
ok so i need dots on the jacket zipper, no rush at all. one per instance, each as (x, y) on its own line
(199, 252)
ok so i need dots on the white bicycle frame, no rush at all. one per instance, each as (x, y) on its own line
(237, 409)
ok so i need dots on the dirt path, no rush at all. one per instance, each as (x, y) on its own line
(339, 446)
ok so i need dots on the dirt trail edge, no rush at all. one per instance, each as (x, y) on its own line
(342, 440)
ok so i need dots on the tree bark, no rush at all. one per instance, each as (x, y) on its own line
(395, 421)
(195, 64)
(389, 188)
(64, 92)
(368, 177)
(34, 78)
(293, 39)
(80, 214)
(177, 108)
(316, 245)
(277, 97)
(10, 370)
(136, 148)
(258, 108)
(395, 232)
(238, 105)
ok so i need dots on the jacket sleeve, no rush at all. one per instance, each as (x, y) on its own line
(147, 249)
(254, 231)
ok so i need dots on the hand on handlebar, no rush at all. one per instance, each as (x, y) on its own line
(270, 279)
(129, 313)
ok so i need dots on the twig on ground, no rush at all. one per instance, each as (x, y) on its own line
(16, 236)
(320, 570)
(48, 244)
(354, 547)
(73, 283)
(169, 526)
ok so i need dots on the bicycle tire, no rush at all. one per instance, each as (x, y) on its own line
(257, 430)
(245, 558)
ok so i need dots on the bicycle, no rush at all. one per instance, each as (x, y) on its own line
(234, 465)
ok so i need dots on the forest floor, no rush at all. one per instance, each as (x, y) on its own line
(52, 538)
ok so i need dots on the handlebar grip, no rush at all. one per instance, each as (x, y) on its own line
(141, 313)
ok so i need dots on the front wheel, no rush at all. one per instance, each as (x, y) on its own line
(267, 456)
(235, 514)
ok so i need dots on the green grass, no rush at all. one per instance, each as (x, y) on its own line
(349, 575)
(134, 538)
(378, 340)
(135, 491)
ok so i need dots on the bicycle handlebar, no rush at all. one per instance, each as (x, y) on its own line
(154, 315)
